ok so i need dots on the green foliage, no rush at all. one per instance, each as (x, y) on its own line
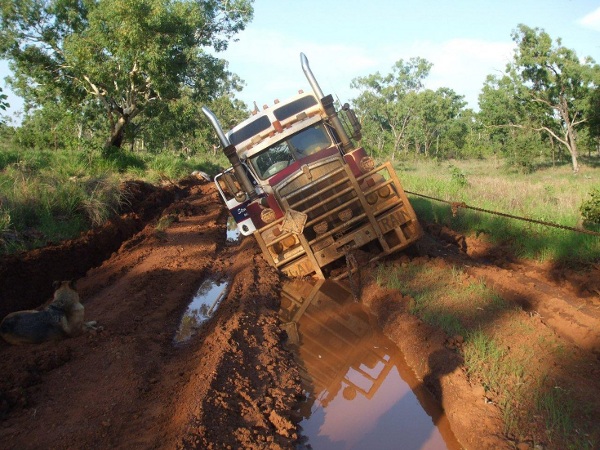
(590, 208)
(123, 56)
(3, 104)
(552, 195)
(5, 221)
(51, 127)
(386, 102)
(522, 150)
(180, 125)
(547, 88)
(46, 196)
(458, 177)
(101, 199)
(400, 116)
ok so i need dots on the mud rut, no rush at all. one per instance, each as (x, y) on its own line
(234, 384)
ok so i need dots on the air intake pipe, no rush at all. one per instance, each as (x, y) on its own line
(327, 103)
(232, 156)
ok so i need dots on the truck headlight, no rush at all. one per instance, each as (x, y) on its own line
(384, 192)
(366, 164)
(372, 198)
(345, 215)
(267, 215)
(276, 249)
(289, 241)
(320, 227)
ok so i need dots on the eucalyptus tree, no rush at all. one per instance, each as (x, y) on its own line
(124, 55)
(3, 101)
(190, 134)
(594, 119)
(388, 102)
(511, 119)
(3, 104)
(554, 85)
(436, 113)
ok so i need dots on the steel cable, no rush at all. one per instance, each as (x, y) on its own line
(456, 205)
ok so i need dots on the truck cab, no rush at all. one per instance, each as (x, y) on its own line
(306, 190)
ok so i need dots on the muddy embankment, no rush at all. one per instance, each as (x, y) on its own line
(232, 385)
(129, 385)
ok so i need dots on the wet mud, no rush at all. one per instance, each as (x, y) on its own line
(235, 381)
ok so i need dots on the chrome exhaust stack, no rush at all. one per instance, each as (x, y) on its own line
(217, 126)
(311, 77)
(231, 154)
(327, 103)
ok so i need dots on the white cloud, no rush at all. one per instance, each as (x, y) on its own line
(269, 62)
(464, 64)
(591, 20)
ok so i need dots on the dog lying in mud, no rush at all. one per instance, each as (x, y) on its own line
(61, 319)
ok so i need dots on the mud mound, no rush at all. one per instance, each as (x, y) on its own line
(26, 278)
(130, 385)
(233, 384)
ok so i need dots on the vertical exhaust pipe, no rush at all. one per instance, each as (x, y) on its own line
(217, 126)
(310, 77)
(232, 156)
(327, 103)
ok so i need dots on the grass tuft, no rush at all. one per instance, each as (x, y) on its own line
(48, 196)
(449, 299)
(552, 195)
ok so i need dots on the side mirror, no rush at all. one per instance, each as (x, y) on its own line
(351, 116)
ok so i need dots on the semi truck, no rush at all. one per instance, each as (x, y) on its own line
(304, 187)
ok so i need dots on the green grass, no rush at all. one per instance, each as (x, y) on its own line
(559, 408)
(48, 196)
(551, 195)
(500, 344)
(485, 359)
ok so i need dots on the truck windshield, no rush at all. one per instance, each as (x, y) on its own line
(277, 157)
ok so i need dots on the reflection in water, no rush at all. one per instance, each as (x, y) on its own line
(233, 234)
(360, 391)
(203, 305)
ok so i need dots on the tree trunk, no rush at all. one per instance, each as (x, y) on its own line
(115, 140)
(117, 133)
(570, 137)
(572, 147)
(574, 160)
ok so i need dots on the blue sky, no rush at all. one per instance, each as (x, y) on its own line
(464, 39)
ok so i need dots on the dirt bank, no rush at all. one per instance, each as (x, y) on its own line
(129, 385)
(233, 384)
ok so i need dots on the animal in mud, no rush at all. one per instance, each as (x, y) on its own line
(62, 318)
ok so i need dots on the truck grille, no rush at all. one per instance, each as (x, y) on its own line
(337, 212)
(308, 174)
(326, 194)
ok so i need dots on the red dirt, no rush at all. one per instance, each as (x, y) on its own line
(234, 384)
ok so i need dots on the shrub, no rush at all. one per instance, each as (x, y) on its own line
(458, 176)
(590, 208)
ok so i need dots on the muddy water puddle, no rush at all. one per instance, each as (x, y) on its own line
(360, 393)
(207, 299)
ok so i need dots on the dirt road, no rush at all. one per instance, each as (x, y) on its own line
(234, 384)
